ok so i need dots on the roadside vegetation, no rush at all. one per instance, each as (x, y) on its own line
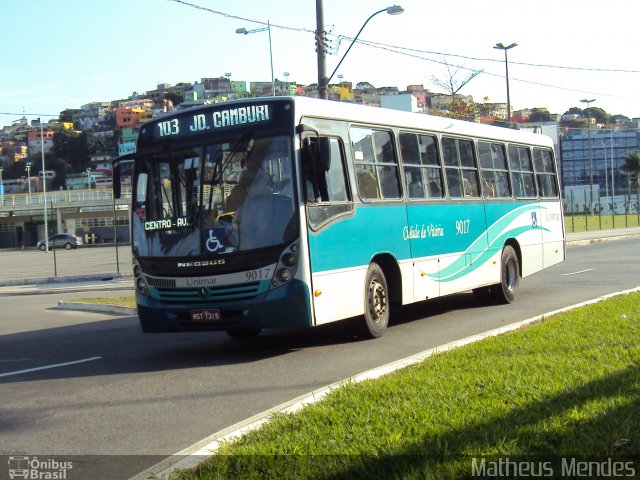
(122, 301)
(563, 387)
(590, 223)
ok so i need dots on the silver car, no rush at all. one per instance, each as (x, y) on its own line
(60, 240)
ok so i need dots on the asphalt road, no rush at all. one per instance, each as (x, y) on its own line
(114, 392)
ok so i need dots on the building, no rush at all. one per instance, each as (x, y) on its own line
(597, 153)
(405, 102)
(36, 142)
(91, 114)
(131, 117)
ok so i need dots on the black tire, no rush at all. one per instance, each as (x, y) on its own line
(243, 333)
(376, 303)
(67, 246)
(42, 247)
(507, 290)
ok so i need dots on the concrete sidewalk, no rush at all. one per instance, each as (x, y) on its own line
(114, 281)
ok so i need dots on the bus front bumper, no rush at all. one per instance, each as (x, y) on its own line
(288, 306)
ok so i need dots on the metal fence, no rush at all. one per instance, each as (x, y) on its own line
(586, 210)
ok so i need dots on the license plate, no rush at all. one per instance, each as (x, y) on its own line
(209, 315)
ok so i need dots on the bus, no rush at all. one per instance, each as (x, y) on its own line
(288, 212)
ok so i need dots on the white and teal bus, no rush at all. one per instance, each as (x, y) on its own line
(286, 212)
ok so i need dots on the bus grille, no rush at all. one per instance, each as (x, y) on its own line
(209, 294)
(161, 282)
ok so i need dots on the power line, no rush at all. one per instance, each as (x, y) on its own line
(30, 114)
(480, 59)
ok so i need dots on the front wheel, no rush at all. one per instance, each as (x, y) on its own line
(67, 246)
(507, 289)
(42, 247)
(376, 303)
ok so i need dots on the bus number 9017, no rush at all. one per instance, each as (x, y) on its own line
(260, 274)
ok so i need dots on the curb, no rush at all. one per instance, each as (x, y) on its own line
(199, 452)
(97, 307)
(66, 279)
(590, 241)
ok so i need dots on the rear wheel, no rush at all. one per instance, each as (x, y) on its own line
(376, 303)
(507, 289)
(42, 247)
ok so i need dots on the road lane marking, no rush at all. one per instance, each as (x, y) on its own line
(47, 367)
(576, 273)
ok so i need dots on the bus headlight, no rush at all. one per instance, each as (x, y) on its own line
(289, 259)
(284, 275)
(139, 281)
(287, 265)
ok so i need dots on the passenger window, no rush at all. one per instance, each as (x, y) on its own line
(493, 166)
(375, 163)
(421, 165)
(545, 173)
(521, 172)
(460, 167)
(327, 193)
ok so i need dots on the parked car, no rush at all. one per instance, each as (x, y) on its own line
(60, 240)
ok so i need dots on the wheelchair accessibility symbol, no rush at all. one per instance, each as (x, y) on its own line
(534, 219)
(213, 242)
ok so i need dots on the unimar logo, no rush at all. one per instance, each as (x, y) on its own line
(35, 468)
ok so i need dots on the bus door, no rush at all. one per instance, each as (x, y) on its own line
(330, 229)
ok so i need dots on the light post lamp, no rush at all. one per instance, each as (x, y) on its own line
(323, 81)
(588, 102)
(500, 46)
(28, 169)
(244, 31)
(87, 172)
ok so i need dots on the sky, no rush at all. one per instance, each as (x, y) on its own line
(66, 53)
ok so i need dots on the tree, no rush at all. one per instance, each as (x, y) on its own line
(540, 116)
(174, 96)
(72, 149)
(364, 86)
(620, 119)
(451, 83)
(631, 165)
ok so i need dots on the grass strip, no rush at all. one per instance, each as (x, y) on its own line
(122, 301)
(568, 386)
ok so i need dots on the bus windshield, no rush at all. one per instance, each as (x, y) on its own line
(214, 199)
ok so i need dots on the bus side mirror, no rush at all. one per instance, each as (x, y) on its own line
(117, 165)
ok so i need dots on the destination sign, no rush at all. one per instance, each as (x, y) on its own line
(182, 125)
(166, 224)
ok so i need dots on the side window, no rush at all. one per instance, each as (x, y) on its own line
(421, 165)
(460, 167)
(521, 172)
(493, 166)
(375, 162)
(545, 173)
(326, 191)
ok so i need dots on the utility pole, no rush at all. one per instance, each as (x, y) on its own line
(321, 50)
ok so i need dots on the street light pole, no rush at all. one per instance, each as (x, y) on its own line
(1, 188)
(588, 102)
(28, 168)
(244, 31)
(500, 46)
(44, 191)
(323, 82)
